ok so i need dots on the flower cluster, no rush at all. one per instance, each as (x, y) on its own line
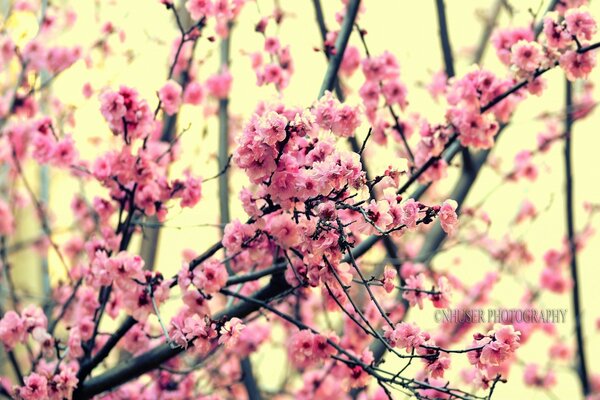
(31, 322)
(280, 66)
(468, 96)
(494, 348)
(126, 113)
(565, 37)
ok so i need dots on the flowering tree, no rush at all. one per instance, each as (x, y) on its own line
(298, 262)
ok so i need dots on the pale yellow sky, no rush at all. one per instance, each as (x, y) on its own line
(409, 30)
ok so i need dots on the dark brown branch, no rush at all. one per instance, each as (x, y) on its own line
(340, 47)
(445, 38)
(570, 213)
(150, 360)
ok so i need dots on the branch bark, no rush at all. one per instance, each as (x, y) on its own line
(150, 360)
(570, 213)
(340, 47)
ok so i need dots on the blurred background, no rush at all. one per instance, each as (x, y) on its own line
(410, 31)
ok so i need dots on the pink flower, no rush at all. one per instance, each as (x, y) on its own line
(219, 85)
(526, 211)
(102, 167)
(64, 153)
(369, 93)
(176, 334)
(405, 335)
(272, 45)
(476, 130)
(438, 85)
(532, 376)
(536, 87)
(554, 259)
(272, 73)
(395, 93)
(170, 96)
(494, 353)
(191, 192)
(447, 216)
(74, 343)
(210, 276)
(12, 329)
(230, 332)
(36, 387)
(201, 330)
(577, 65)
(554, 280)
(351, 61)
(7, 223)
(125, 112)
(556, 36)
(436, 368)
(382, 67)
(236, 236)
(272, 128)
(301, 348)
(148, 197)
(409, 213)
(322, 347)
(379, 217)
(60, 58)
(86, 328)
(580, 23)
(193, 93)
(7, 50)
(504, 39)
(199, 8)
(414, 294)
(345, 121)
(34, 53)
(43, 147)
(409, 269)
(87, 90)
(442, 298)
(561, 351)
(63, 384)
(196, 302)
(526, 56)
(33, 317)
(284, 230)
(389, 279)
(524, 167)
(505, 340)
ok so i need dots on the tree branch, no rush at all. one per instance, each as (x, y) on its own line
(340, 47)
(570, 213)
(148, 361)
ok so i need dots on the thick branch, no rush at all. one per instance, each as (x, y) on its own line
(445, 38)
(340, 47)
(224, 139)
(150, 360)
